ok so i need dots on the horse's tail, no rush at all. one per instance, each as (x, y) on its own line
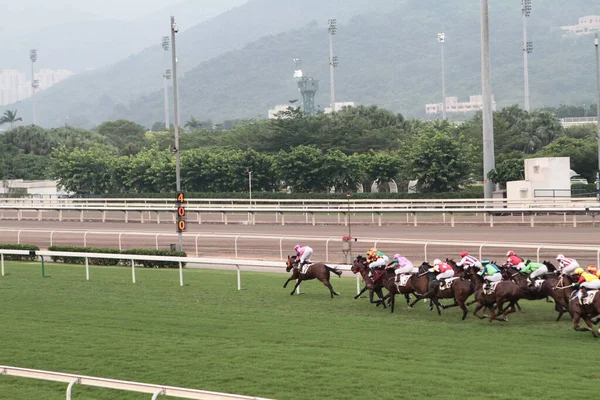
(334, 270)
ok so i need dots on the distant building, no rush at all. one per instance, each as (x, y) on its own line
(39, 189)
(587, 24)
(339, 106)
(15, 87)
(273, 114)
(475, 103)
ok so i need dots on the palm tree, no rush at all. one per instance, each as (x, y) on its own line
(10, 117)
(193, 124)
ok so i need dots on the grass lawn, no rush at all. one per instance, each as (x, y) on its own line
(264, 342)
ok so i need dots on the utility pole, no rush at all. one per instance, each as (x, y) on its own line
(166, 77)
(488, 124)
(34, 83)
(174, 30)
(333, 61)
(527, 49)
(441, 38)
(597, 116)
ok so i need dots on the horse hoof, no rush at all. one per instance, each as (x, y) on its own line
(336, 293)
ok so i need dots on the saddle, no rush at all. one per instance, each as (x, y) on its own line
(589, 299)
(403, 280)
(492, 288)
(449, 282)
(304, 268)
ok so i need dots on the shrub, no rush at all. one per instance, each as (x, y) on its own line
(117, 261)
(10, 257)
(156, 264)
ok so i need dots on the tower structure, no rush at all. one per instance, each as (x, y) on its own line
(308, 87)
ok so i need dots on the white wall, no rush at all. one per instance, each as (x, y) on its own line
(549, 177)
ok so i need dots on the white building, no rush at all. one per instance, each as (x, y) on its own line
(14, 85)
(475, 103)
(273, 114)
(544, 178)
(586, 25)
(339, 106)
(46, 189)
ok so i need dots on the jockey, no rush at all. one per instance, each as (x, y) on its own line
(586, 281)
(567, 266)
(592, 269)
(534, 270)
(401, 266)
(303, 254)
(445, 271)
(376, 259)
(468, 261)
(514, 260)
(490, 273)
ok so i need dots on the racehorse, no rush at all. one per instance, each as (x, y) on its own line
(585, 311)
(360, 266)
(506, 291)
(318, 271)
(460, 290)
(534, 293)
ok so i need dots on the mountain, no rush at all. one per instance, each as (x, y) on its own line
(93, 96)
(81, 41)
(387, 50)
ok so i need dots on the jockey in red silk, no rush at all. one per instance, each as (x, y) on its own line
(445, 271)
(514, 260)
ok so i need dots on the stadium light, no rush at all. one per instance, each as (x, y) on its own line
(34, 83)
(441, 38)
(333, 61)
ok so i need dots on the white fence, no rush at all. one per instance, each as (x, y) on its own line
(154, 390)
(144, 214)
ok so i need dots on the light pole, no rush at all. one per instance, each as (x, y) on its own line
(333, 61)
(34, 82)
(597, 115)
(166, 77)
(174, 30)
(527, 49)
(441, 38)
(486, 85)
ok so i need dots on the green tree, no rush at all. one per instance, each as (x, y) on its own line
(509, 170)
(302, 169)
(149, 171)
(10, 117)
(127, 136)
(193, 124)
(439, 159)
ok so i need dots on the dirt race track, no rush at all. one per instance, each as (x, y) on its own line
(136, 235)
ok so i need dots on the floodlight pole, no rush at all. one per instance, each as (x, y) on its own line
(33, 58)
(166, 77)
(597, 115)
(442, 40)
(527, 49)
(488, 125)
(174, 30)
(332, 62)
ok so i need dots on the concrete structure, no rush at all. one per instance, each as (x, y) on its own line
(475, 103)
(586, 25)
(566, 122)
(14, 85)
(273, 114)
(42, 189)
(339, 106)
(544, 178)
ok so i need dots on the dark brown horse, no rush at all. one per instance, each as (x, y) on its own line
(505, 292)
(584, 311)
(360, 266)
(318, 271)
(460, 290)
(546, 289)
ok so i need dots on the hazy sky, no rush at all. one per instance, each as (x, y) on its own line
(122, 9)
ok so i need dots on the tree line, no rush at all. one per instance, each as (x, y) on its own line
(355, 146)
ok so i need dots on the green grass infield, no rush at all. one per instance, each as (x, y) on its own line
(263, 342)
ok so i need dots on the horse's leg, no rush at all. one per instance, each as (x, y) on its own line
(328, 286)
(512, 308)
(392, 301)
(465, 310)
(493, 311)
(477, 309)
(407, 297)
(286, 282)
(361, 292)
(295, 286)
(437, 305)
(588, 322)
(518, 306)
(559, 309)
(471, 303)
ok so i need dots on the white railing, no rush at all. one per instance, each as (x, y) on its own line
(154, 390)
(239, 264)
(592, 209)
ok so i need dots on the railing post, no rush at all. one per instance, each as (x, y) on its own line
(538, 253)
(379, 219)
(532, 220)
(282, 219)
(597, 258)
(196, 240)
(491, 220)
(236, 245)
(239, 277)
(19, 237)
(180, 273)
(481, 251)
(2, 262)
(120, 245)
(60, 216)
(357, 284)
(81, 216)
(155, 239)
(225, 218)
(51, 234)
(87, 269)
(451, 220)
(85, 239)
(574, 220)
(103, 216)
(70, 388)
(126, 216)
(327, 250)
(425, 251)
(133, 270)
(415, 219)
(159, 393)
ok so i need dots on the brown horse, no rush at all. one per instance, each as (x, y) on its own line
(318, 271)
(506, 292)
(460, 290)
(582, 311)
(360, 266)
(534, 293)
